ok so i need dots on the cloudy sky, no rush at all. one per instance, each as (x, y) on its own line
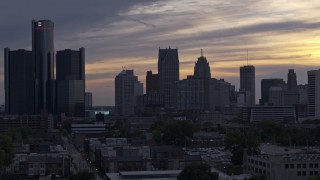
(279, 34)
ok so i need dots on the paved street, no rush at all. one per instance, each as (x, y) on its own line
(78, 164)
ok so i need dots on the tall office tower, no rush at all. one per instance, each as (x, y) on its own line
(202, 68)
(247, 82)
(168, 74)
(292, 80)
(202, 72)
(19, 82)
(127, 87)
(303, 93)
(220, 91)
(190, 94)
(276, 96)
(43, 54)
(151, 82)
(266, 84)
(314, 93)
(88, 100)
(70, 82)
(291, 96)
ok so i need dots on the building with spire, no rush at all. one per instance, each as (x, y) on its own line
(292, 80)
(202, 68)
(291, 96)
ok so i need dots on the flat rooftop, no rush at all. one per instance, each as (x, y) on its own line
(154, 175)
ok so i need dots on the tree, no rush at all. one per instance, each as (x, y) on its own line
(314, 178)
(258, 178)
(7, 141)
(197, 172)
(6, 151)
(173, 132)
(237, 142)
(82, 176)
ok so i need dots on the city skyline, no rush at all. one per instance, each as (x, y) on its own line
(129, 34)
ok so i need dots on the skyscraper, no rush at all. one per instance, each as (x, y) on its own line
(266, 84)
(220, 91)
(127, 87)
(19, 82)
(276, 96)
(88, 100)
(151, 82)
(291, 96)
(292, 80)
(202, 68)
(43, 54)
(190, 94)
(202, 76)
(168, 74)
(70, 82)
(314, 93)
(247, 82)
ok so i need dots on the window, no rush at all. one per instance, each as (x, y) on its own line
(286, 166)
(304, 173)
(316, 165)
(310, 165)
(264, 164)
(298, 165)
(299, 173)
(311, 173)
(316, 173)
(291, 165)
(304, 165)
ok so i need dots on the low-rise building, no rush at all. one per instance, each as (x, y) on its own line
(31, 165)
(205, 140)
(37, 122)
(276, 113)
(172, 158)
(285, 166)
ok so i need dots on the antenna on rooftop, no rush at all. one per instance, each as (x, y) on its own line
(201, 52)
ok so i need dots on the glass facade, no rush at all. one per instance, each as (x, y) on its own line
(19, 82)
(43, 53)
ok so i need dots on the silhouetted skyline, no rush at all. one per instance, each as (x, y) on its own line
(129, 33)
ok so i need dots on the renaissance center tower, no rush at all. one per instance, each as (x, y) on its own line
(43, 54)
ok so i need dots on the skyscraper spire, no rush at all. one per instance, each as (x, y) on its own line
(202, 68)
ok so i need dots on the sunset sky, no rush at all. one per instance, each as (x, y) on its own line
(279, 34)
